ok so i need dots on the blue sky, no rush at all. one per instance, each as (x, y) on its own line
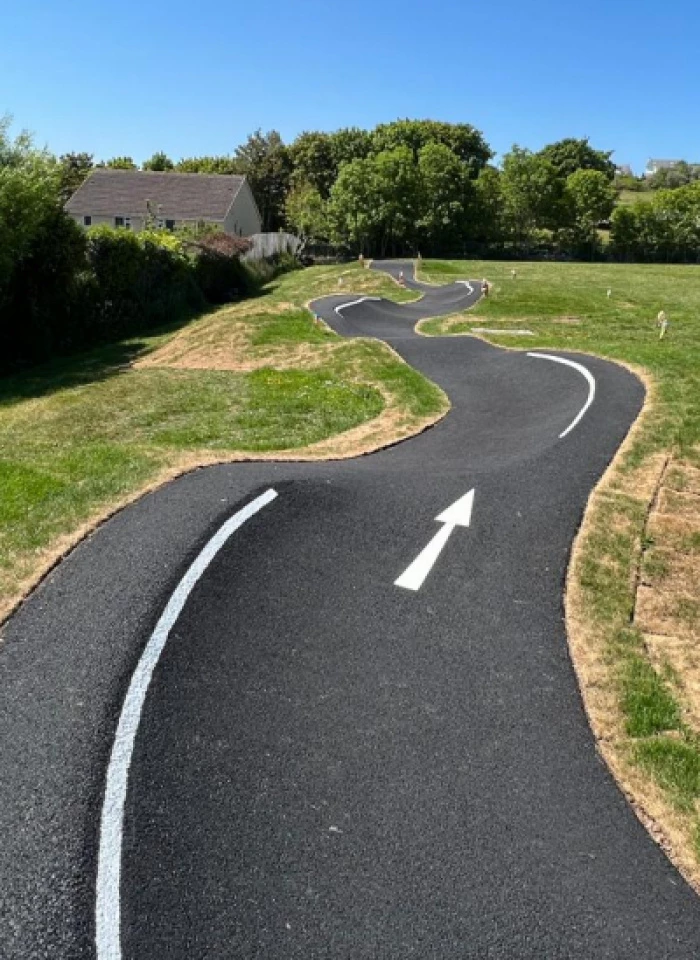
(135, 76)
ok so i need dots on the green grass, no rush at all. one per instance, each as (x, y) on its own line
(70, 449)
(675, 766)
(647, 701)
(626, 197)
(80, 435)
(622, 327)
(295, 327)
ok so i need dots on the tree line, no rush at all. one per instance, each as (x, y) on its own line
(431, 187)
(407, 185)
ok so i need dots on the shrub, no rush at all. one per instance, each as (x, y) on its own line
(141, 280)
(218, 271)
(264, 270)
(44, 308)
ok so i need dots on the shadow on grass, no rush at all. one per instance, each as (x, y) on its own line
(92, 366)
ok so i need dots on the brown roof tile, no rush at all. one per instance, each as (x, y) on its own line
(181, 196)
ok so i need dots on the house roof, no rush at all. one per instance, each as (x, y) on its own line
(180, 196)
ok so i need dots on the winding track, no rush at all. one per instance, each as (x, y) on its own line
(328, 765)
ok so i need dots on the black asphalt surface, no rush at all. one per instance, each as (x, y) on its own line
(329, 766)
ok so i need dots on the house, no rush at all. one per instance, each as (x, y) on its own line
(653, 166)
(130, 198)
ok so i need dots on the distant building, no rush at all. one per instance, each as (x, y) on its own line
(653, 166)
(624, 169)
(130, 198)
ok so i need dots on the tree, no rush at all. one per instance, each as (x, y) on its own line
(349, 143)
(569, 155)
(160, 162)
(354, 205)
(307, 212)
(465, 141)
(532, 192)
(222, 165)
(487, 222)
(265, 161)
(312, 157)
(398, 190)
(74, 168)
(591, 199)
(670, 178)
(447, 192)
(119, 163)
(29, 193)
(667, 228)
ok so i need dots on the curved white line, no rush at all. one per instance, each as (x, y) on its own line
(582, 370)
(467, 284)
(344, 306)
(108, 904)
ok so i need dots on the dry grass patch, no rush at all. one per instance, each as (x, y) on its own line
(633, 631)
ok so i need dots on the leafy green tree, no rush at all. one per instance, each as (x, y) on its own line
(74, 168)
(313, 161)
(532, 193)
(159, 162)
(307, 212)
(487, 215)
(667, 228)
(119, 163)
(354, 205)
(465, 141)
(569, 155)
(671, 178)
(447, 193)
(398, 189)
(349, 143)
(223, 165)
(591, 199)
(265, 161)
(29, 193)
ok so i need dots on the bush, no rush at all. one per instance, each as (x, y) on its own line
(141, 281)
(43, 309)
(218, 271)
(264, 270)
(666, 229)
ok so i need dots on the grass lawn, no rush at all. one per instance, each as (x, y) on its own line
(633, 598)
(80, 437)
(626, 197)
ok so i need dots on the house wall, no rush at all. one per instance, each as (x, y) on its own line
(243, 219)
(137, 223)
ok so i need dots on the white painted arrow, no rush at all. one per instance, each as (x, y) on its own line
(458, 515)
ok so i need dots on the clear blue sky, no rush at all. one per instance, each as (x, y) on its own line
(136, 76)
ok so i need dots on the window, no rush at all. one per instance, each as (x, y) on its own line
(87, 221)
(169, 224)
(119, 221)
(127, 223)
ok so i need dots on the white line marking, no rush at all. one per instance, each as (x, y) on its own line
(458, 515)
(344, 306)
(582, 370)
(108, 905)
(467, 284)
